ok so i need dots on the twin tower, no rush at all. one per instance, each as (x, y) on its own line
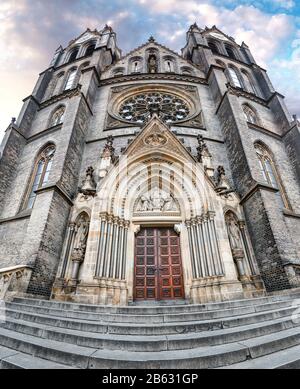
(151, 176)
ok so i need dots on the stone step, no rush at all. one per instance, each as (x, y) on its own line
(149, 310)
(284, 359)
(149, 343)
(11, 359)
(233, 313)
(201, 357)
(171, 327)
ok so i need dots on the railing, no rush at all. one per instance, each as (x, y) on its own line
(14, 279)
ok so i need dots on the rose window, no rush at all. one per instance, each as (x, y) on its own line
(139, 108)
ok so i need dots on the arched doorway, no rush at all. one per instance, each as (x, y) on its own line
(158, 272)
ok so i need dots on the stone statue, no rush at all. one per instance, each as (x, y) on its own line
(82, 233)
(219, 176)
(144, 204)
(168, 204)
(234, 233)
(152, 64)
(79, 249)
(88, 185)
(156, 199)
(109, 150)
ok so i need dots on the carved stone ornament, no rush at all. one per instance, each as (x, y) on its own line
(202, 149)
(88, 185)
(156, 201)
(222, 186)
(156, 140)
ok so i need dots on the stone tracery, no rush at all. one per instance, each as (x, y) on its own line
(141, 107)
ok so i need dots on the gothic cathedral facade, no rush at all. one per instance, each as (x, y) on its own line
(151, 176)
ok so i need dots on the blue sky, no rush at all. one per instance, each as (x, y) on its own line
(31, 30)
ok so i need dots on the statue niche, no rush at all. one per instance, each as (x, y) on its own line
(236, 244)
(152, 64)
(82, 225)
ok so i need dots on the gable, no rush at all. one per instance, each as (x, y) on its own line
(215, 33)
(86, 36)
(156, 137)
(141, 52)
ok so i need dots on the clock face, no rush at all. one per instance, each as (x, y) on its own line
(218, 36)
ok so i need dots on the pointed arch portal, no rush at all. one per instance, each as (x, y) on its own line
(157, 228)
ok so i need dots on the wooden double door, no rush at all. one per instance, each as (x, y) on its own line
(158, 265)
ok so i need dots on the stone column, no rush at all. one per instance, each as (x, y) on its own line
(124, 254)
(114, 243)
(201, 247)
(192, 248)
(107, 255)
(77, 259)
(195, 243)
(120, 258)
(102, 245)
(205, 252)
(238, 256)
(219, 268)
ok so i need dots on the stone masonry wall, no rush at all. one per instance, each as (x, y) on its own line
(50, 245)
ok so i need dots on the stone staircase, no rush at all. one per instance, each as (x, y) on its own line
(238, 334)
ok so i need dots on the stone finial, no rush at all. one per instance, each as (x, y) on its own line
(107, 27)
(221, 182)
(202, 149)
(151, 39)
(89, 185)
(109, 150)
(13, 120)
(107, 157)
(219, 176)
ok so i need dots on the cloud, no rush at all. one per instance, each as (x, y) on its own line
(288, 4)
(30, 31)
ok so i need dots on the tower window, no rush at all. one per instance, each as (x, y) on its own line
(89, 51)
(250, 115)
(73, 55)
(269, 171)
(213, 48)
(230, 52)
(169, 65)
(57, 117)
(248, 82)
(40, 175)
(235, 77)
(71, 79)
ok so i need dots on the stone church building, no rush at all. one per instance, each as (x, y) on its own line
(151, 176)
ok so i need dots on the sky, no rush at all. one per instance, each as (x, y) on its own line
(31, 30)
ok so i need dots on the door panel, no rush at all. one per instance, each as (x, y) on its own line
(158, 267)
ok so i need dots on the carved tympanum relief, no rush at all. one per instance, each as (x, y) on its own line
(156, 200)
